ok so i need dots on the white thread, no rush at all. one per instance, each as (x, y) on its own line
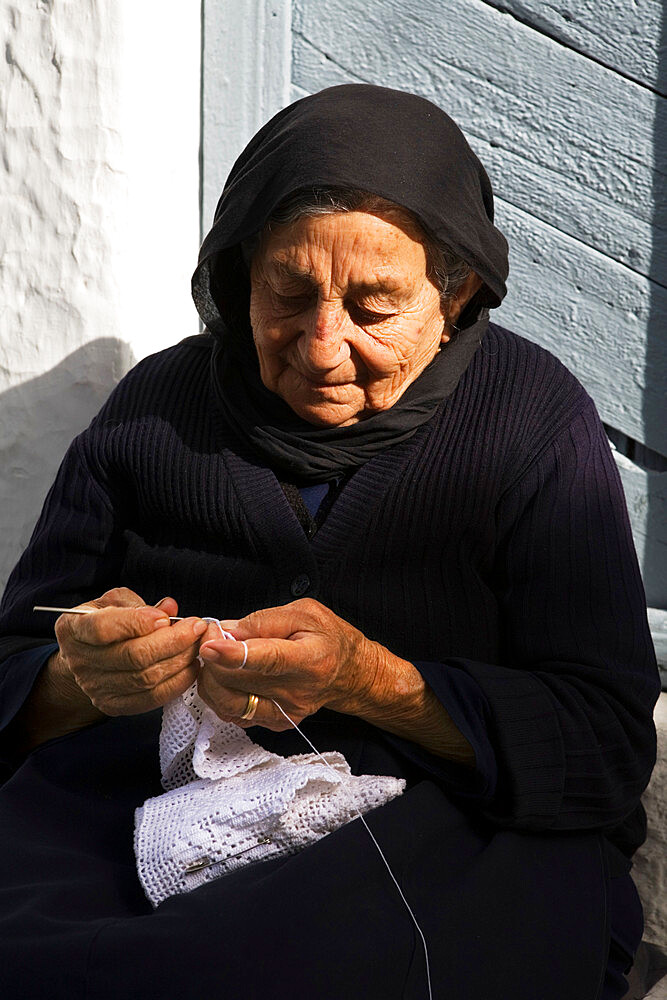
(360, 816)
(216, 621)
(227, 635)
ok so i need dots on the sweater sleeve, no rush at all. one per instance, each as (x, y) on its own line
(569, 708)
(72, 557)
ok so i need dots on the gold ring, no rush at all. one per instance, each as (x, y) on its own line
(251, 708)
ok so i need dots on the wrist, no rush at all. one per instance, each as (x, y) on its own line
(56, 706)
(396, 698)
(379, 684)
(394, 687)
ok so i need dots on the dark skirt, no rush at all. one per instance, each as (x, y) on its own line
(505, 913)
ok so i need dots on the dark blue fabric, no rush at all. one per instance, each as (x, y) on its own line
(22, 670)
(19, 677)
(463, 700)
(494, 544)
(326, 923)
(466, 704)
(492, 549)
(627, 927)
(313, 496)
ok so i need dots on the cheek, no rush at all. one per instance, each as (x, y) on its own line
(271, 330)
(269, 333)
(410, 337)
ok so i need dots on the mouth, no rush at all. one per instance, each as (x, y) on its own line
(325, 383)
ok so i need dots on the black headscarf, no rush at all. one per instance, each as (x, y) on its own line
(386, 142)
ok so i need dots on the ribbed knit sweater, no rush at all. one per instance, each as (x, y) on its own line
(492, 550)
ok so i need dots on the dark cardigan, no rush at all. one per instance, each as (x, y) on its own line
(492, 549)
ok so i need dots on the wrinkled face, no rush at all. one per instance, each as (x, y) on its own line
(343, 314)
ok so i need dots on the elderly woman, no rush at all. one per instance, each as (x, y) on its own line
(411, 524)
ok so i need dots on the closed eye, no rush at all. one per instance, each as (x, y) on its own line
(292, 303)
(366, 317)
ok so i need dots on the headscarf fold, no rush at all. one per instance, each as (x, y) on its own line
(389, 143)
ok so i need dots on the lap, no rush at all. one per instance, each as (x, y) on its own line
(504, 913)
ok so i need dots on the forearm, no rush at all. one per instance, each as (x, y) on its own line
(55, 707)
(399, 700)
(305, 657)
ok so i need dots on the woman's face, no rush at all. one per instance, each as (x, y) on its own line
(343, 314)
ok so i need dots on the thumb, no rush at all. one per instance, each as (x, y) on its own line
(168, 605)
(279, 623)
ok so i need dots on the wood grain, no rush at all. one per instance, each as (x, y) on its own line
(621, 34)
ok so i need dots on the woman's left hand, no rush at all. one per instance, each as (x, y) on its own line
(301, 655)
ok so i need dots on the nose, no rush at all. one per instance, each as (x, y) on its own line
(323, 342)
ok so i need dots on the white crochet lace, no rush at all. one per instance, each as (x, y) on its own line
(229, 802)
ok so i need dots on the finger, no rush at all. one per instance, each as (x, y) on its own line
(176, 684)
(294, 688)
(212, 633)
(268, 657)
(168, 605)
(230, 706)
(124, 702)
(280, 669)
(281, 622)
(142, 678)
(118, 597)
(71, 626)
(140, 653)
(123, 597)
(279, 676)
(115, 624)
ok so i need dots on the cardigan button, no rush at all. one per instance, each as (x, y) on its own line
(300, 584)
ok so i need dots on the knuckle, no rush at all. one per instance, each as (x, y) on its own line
(107, 629)
(124, 627)
(63, 630)
(174, 671)
(136, 656)
(312, 612)
(119, 597)
(100, 632)
(77, 665)
(116, 625)
(254, 620)
(151, 676)
(275, 662)
(308, 605)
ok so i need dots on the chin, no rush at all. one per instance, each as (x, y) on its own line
(321, 415)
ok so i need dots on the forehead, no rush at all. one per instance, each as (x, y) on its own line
(355, 243)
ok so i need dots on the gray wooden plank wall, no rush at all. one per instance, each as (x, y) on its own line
(565, 104)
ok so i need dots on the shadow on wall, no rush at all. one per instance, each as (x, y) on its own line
(38, 419)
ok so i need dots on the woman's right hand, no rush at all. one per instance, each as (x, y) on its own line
(122, 659)
(126, 657)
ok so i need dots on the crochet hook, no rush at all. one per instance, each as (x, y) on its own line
(86, 611)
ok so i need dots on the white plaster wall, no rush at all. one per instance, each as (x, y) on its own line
(99, 219)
